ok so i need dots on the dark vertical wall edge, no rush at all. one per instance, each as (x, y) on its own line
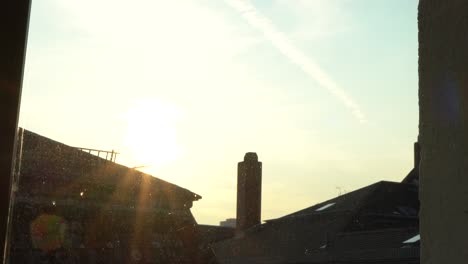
(14, 22)
(443, 130)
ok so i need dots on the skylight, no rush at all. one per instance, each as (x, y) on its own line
(416, 238)
(325, 207)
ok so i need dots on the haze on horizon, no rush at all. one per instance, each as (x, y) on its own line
(324, 91)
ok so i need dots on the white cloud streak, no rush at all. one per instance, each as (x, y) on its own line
(281, 42)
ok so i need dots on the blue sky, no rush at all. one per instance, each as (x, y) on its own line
(325, 91)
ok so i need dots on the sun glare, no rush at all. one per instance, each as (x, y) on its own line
(151, 133)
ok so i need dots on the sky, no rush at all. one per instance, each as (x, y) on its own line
(324, 91)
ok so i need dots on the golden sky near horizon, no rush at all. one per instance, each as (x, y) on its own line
(325, 91)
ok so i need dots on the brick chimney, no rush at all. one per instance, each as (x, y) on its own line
(413, 176)
(417, 155)
(249, 192)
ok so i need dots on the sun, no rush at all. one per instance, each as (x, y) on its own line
(151, 133)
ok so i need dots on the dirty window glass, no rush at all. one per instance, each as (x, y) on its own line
(211, 131)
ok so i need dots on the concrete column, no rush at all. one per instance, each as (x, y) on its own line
(443, 129)
(249, 192)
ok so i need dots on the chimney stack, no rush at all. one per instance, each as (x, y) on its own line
(417, 155)
(249, 192)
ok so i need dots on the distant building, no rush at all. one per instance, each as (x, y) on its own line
(230, 222)
(111, 213)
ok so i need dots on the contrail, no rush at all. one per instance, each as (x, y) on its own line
(295, 55)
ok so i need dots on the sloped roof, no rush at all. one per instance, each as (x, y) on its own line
(53, 169)
(381, 198)
(376, 246)
(367, 213)
(381, 238)
(347, 202)
(412, 177)
(211, 234)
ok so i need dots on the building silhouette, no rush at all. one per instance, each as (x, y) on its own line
(230, 222)
(112, 214)
(375, 224)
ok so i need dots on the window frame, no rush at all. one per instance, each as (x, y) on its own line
(14, 23)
